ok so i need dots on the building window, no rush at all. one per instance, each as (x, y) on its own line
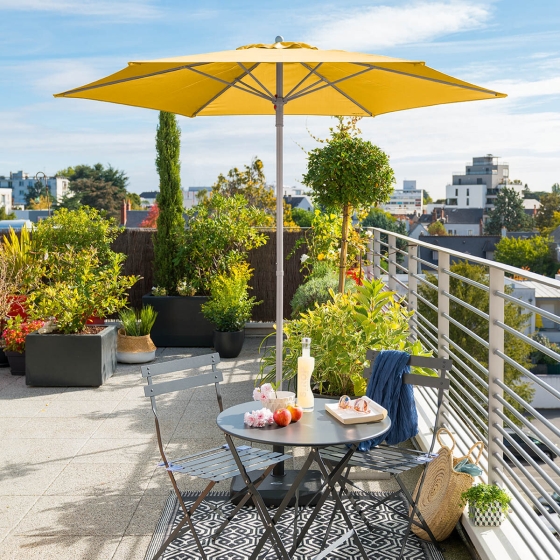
(456, 192)
(469, 232)
(435, 255)
(459, 182)
(479, 181)
(467, 202)
(22, 193)
(468, 192)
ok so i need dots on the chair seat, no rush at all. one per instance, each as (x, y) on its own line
(383, 458)
(218, 464)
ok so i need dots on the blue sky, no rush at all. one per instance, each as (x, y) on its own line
(48, 46)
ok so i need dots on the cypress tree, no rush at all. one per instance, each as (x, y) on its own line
(170, 223)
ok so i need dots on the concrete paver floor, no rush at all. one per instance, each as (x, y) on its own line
(78, 475)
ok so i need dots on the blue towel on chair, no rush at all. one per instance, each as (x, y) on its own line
(385, 387)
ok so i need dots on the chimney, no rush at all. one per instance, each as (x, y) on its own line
(124, 208)
(534, 210)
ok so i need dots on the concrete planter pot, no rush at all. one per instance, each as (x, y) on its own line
(16, 361)
(71, 360)
(487, 517)
(229, 344)
(180, 322)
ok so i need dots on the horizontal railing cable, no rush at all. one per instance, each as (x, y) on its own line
(426, 302)
(468, 421)
(466, 395)
(470, 358)
(465, 330)
(467, 306)
(542, 312)
(425, 322)
(529, 340)
(474, 283)
(529, 374)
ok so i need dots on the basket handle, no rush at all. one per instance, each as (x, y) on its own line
(446, 431)
(480, 446)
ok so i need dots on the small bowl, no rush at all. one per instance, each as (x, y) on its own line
(282, 400)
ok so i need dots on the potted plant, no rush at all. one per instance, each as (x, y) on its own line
(14, 337)
(219, 233)
(229, 308)
(341, 332)
(488, 504)
(134, 345)
(80, 277)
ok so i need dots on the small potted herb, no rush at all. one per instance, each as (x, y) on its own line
(229, 308)
(488, 504)
(134, 345)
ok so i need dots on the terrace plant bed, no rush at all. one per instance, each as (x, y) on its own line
(85, 359)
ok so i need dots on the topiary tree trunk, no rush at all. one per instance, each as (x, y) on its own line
(170, 223)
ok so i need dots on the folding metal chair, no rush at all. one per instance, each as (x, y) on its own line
(396, 460)
(214, 465)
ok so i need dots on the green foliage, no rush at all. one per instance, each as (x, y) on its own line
(78, 285)
(341, 332)
(19, 257)
(538, 357)
(437, 228)
(103, 188)
(138, 323)
(534, 254)
(515, 348)
(487, 497)
(301, 217)
(378, 218)
(550, 204)
(316, 290)
(168, 239)
(5, 216)
(508, 212)
(230, 306)
(427, 199)
(348, 174)
(35, 192)
(77, 229)
(219, 234)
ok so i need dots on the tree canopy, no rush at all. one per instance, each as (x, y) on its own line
(508, 212)
(550, 204)
(97, 186)
(535, 254)
(437, 228)
(348, 174)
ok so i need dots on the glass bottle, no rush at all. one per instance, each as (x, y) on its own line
(306, 363)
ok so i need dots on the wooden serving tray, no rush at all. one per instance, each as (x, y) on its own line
(350, 416)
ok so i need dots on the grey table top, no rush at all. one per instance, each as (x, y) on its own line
(315, 429)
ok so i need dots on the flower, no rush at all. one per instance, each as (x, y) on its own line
(258, 418)
(16, 331)
(368, 233)
(303, 258)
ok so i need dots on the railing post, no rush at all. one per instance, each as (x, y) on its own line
(443, 307)
(495, 371)
(412, 289)
(377, 254)
(392, 258)
(443, 303)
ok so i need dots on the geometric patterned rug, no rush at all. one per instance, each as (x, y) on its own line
(239, 538)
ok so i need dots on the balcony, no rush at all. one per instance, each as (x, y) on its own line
(481, 406)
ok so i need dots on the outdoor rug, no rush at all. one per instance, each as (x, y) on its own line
(239, 538)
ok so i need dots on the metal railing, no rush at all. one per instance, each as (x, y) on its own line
(483, 403)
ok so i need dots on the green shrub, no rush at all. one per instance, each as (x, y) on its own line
(138, 323)
(230, 306)
(316, 291)
(538, 357)
(486, 496)
(341, 332)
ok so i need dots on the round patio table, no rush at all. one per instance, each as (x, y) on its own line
(315, 429)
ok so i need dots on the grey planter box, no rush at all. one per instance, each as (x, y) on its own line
(71, 360)
(180, 322)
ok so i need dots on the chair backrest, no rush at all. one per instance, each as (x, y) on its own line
(175, 366)
(441, 382)
(184, 364)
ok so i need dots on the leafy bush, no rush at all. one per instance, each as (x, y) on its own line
(220, 231)
(138, 323)
(230, 306)
(316, 291)
(341, 332)
(538, 357)
(486, 496)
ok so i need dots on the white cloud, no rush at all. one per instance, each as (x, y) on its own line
(535, 88)
(388, 26)
(123, 9)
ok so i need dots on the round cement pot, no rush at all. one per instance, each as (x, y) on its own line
(135, 349)
(17, 362)
(229, 344)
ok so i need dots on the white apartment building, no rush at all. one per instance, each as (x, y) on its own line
(6, 199)
(408, 200)
(20, 182)
(480, 184)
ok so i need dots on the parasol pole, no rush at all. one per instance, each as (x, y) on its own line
(279, 107)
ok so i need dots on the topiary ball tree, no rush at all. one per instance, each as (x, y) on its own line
(348, 174)
(170, 222)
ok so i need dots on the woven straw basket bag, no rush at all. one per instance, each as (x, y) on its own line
(440, 500)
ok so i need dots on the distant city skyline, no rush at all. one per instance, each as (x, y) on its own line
(52, 45)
